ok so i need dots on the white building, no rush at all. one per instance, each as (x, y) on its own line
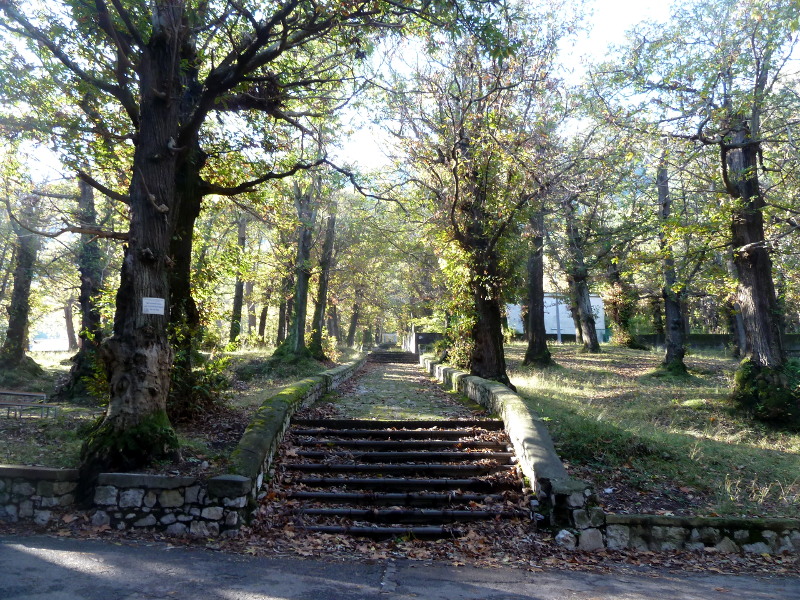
(557, 318)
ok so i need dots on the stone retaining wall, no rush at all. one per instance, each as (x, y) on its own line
(35, 492)
(177, 505)
(569, 506)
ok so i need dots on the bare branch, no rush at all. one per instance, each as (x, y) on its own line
(101, 188)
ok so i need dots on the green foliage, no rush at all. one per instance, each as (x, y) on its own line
(770, 395)
(200, 391)
(328, 350)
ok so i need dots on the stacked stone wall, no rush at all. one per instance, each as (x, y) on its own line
(35, 493)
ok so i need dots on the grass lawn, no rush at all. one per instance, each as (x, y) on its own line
(662, 445)
(205, 444)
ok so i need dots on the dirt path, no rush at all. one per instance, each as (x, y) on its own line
(395, 391)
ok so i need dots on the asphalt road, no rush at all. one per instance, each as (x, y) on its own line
(34, 568)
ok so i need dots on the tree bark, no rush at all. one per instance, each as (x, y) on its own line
(251, 307)
(761, 383)
(14, 348)
(333, 324)
(295, 343)
(238, 294)
(579, 275)
(90, 268)
(72, 340)
(537, 352)
(673, 294)
(318, 320)
(138, 356)
(351, 331)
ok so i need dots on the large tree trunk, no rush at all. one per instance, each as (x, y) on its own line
(318, 320)
(537, 353)
(249, 299)
(295, 343)
(12, 352)
(675, 337)
(72, 340)
(238, 294)
(761, 384)
(90, 268)
(138, 356)
(184, 317)
(262, 319)
(578, 275)
(354, 317)
(333, 324)
(487, 358)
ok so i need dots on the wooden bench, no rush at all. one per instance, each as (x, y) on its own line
(31, 402)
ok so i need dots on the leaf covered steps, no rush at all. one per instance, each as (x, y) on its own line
(399, 478)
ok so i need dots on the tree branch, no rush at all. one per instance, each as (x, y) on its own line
(101, 188)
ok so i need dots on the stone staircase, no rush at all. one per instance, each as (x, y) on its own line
(383, 479)
(384, 356)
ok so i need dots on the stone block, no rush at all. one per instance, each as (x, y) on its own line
(150, 499)
(145, 481)
(45, 488)
(618, 537)
(25, 509)
(195, 512)
(784, 545)
(4, 497)
(64, 487)
(727, 546)
(229, 486)
(66, 500)
(192, 494)
(741, 536)
(239, 502)
(199, 529)
(168, 519)
(105, 495)
(184, 518)
(100, 518)
(581, 519)
(694, 546)
(147, 521)
(48, 502)
(710, 536)
(42, 517)
(232, 519)
(170, 498)
(23, 488)
(757, 548)
(566, 539)
(12, 513)
(131, 498)
(3, 485)
(597, 517)
(591, 540)
(177, 529)
(794, 537)
(214, 513)
(770, 539)
(130, 515)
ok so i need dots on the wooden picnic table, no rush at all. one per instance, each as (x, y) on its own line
(29, 402)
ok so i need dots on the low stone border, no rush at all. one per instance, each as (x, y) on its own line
(569, 506)
(177, 505)
(558, 495)
(33, 492)
(252, 458)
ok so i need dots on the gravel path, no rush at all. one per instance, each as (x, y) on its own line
(398, 391)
